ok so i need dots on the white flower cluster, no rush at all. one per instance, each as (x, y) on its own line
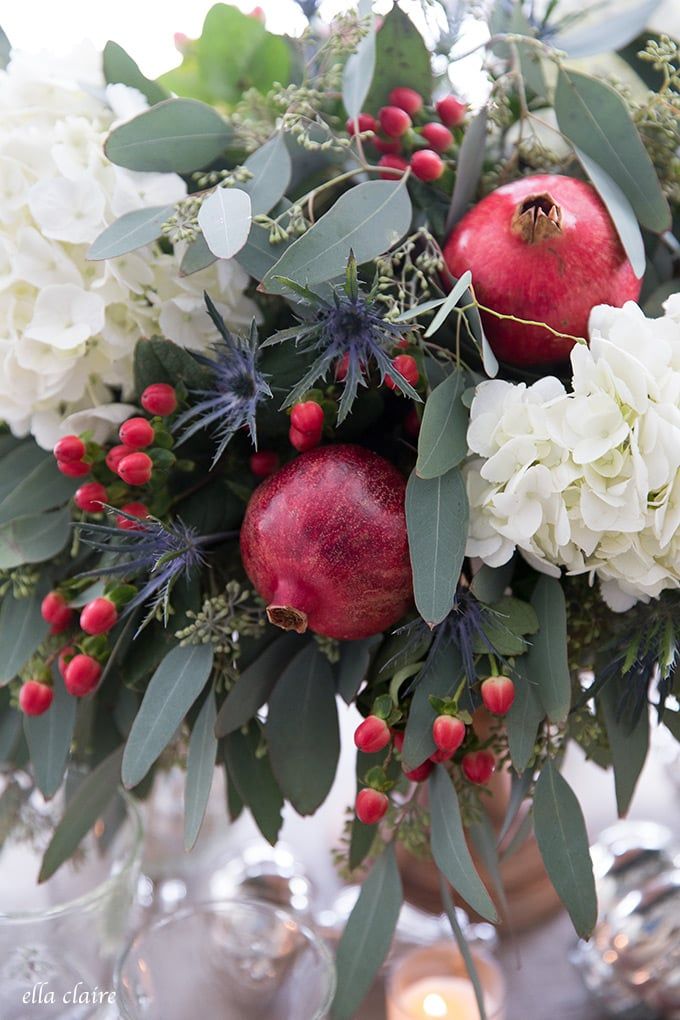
(588, 480)
(68, 327)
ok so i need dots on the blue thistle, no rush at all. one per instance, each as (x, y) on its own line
(237, 389)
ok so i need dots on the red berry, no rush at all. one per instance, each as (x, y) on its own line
(91, 497)
(479, 766)
(69, 448)
(437, 136)
(498, 694)
(393, 121)
(52, 606)
(420, 774)
(451, 111)
(394, 167)
(82, 675)
(398, 738)
(159, 398)
(388, 146)
(115, 455)
(302, 441)
(73, 468)
(427, 165)
(411, 424)
(371, 806)
(65, 656)
(441, 756)
(307, 417)
(135, 468)
(35, 697)
(139, 510)
(98, 616)
(406, 99)
(365, 121)
(372, 734)
(448, 733)
(264, 463)
(136, 433)
(407, 367)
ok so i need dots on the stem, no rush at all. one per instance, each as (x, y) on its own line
(523, 322)
(311, 196)
(450, 911)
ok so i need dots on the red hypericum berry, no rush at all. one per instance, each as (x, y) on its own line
(135, 468)
(259, 14)
(437, 136)
(371, 806)
(451, 111)
(407, 367)
(73, 468)
(69, 448)
(341, 368)
(498, 694)
(365, 121)
(420, 774)
(264, 463)
(398, 737)
(98, 616)
(115, 455)
(479, 766)
(406, 99)
(159, 398)
(65, 656)
(448, 733)
(136, 433)
(35, 697)
(441, 756)
(91, 497)
(139, 510)
(427, 165)
(303, 441)
(393, 167)
(307, 417)
(388, 146)
(372, 734)
(411, 424)
(52, 606)
(82, 675)
(393, 121)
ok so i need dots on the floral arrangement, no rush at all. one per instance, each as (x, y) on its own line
(318, 384)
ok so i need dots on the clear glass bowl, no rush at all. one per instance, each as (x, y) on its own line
(59, 940)
(232, 960)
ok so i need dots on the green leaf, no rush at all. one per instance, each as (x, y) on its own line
(158, 360)
(442, 442)
(450, 301)
(200, 770)
(437, 520)
(468, 168)
(22, 629)
(547, 662)
(368, 220)
(81, 813)
(563, 842)
(253, 688)
(5, 50)
(521, 722)
(34, 538)
(358, 71)
(251, 774)
(671, 721)
(449, 848)
(441, 679)
(225, 218)
(355, 658)
(258, 256)
(176, 136)
(402, 58)
(489, 583)
(131, 231)
(172, 690)
(463, 946)
(361, 842)
(515, 614)
(484, 841)
(17, 463)
(49, 738)
(595, 118)
(41, 489)
(120, 67)
(615, 25)
(368, 934)
(307, 683)
(271, 167)
(520, 786)
(620, 210)
(197, 256)
(628, 747)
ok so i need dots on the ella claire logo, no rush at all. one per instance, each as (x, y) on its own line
(41, 995)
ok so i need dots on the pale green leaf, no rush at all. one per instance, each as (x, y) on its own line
(620, 210)
(33, 538)
(175, 136)
(271, 168)
(468, 168)
(225, 218)
(442, 441)
(22, 629)
(200, 770)
(358, 71)
(49, 738)
(450, 302)
(131, 231)
(120, 67)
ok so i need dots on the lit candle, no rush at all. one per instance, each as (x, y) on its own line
(432, 983)
(436, 998)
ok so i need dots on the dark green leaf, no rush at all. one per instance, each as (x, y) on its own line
(522, 721)
(437, 519)
(200, 770)
(520, 786)
(441, 678)
(671, 721)
(442, 442)
(360, 67)
(307, 683)
(489, 583)
(620, 210)
(484, 841)
(449, 848)
(22, 629)
(175, 136)
(82, 811)
(120, 67)
(355, 658)
(547, 662)
(172, 690)
(197, 256)
(131, 231)
(252, 689)
(43, 488)
(563, 841)
(33, 538)
(469, 168)
(402, 58)
(361, 841)
(271, 168)
(254, 780)
(49, 738)
(10, 731)
(628, 747)
(368, 935)
(158, 360)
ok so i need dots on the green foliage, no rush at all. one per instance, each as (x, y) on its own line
(402, 58)
(254, 686)
(158, 360)
(442, 442)
(175, 136)
(628, 745)
(522, 720)
(120, 67)
(49, 738)
(200, 770)
(22, 629)
(131, 231)
(33, 538)
(547, 662)
(5, 50)
(251, 773)
(360, 67)
(441, 679)
(355, 658)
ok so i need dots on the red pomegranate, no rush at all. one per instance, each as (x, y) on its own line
(324, 542)
(542, 248)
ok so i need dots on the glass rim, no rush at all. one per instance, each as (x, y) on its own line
(98, 891)
(154, 924)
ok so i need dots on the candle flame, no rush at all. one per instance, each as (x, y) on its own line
(435, 1006)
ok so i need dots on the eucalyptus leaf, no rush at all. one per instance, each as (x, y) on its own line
(522, 721)
(463, 946)
(547, 662)
(131, 231)
(355, 658)
(252, 776)
(489, 583)
(402, 59)
(17, 464)
(5, 50)
(175, 136)
(197, 257)
(225, 218)
(33, 538)
(358, 71)
(620, 210)
(49, 738)
(22, 629)
(43, 488)
(172, 690)
(441, 679)
(629, 747)
(120, 67)
(484, 841)
(271, 167)
(468, 168)
(361, 843)
(442, 441)
(519, 791)
(450, 302)
(200, 770)
(563, 842)
(158, 360)
(613, 27)
(258, 256)
(255, 684)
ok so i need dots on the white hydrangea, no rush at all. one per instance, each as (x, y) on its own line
(588, 480)
(68, 327)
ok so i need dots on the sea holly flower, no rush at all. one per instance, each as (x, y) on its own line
(237, 388)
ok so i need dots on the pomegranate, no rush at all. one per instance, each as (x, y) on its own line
(324, 542)
(542, 248)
